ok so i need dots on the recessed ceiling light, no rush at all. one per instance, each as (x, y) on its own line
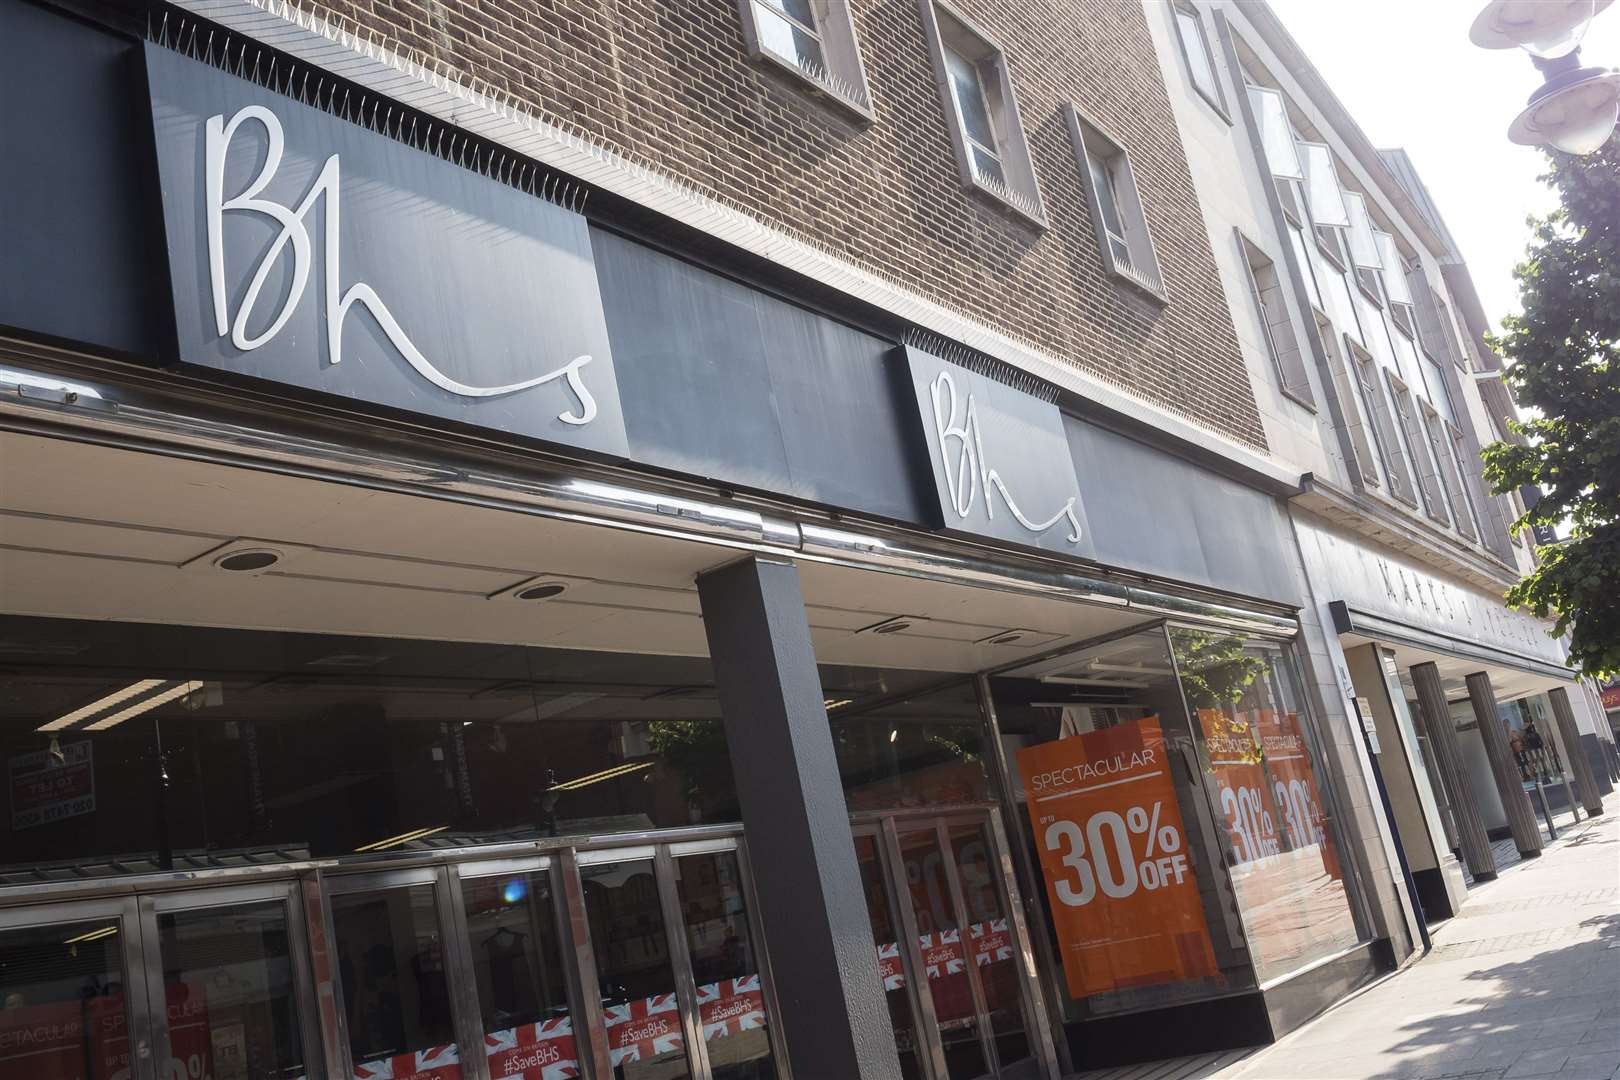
(537, 588)
(248, 560)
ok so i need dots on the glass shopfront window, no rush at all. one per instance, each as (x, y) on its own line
(1261, 771)
(1172, 796)
(134, 747)
(922, 751)
(1106, 776)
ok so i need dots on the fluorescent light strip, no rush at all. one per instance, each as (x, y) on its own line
(117, 697)
(606, 774)
(402, 838)
(145, 704)
(93, 935)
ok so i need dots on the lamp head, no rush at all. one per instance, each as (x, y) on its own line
(1575, 110)
(1545, 28)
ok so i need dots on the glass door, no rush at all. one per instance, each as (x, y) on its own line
(393, 961)
(69, 1009)
(226, 971)
(949, 954)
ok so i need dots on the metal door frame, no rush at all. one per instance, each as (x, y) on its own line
(137, 1001)
(471, 1057)
(152, 905)
(885, 828)
(685, 989)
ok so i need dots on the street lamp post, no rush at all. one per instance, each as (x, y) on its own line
(1575, 108)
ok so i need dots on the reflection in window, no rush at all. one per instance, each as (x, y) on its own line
(973, 112)
(396, 994)
(229, 989)
(517, 963)
(634, 972)
(1260, 770)
(286, 746)
(725, 967)
(923, 751)
(788, 29)
(64, 984)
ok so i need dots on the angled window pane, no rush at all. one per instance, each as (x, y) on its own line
(1102, 179)
(1322, 191)
(1363, 248)
(789, 38)
(1196, 48)
(797, 10)
(1394, 278)
(970, 103)
(1275, 134)
(986, 166)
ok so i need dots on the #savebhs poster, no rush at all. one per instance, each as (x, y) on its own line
(1119, 878)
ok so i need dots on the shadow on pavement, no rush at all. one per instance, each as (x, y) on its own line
(1560, 1003)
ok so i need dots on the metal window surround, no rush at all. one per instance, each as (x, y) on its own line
(206, 428)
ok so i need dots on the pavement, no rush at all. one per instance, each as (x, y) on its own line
(1524, 983)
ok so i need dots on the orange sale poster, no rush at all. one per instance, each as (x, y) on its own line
(1294, 784)
(1245, 802)
(1119, 878)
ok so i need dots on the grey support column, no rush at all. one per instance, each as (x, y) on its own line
(1521, 819)
(1436, 718)
(835, 1021)
(1570, 736)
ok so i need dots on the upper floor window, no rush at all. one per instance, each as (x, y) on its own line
(1197, 54)
(1414, 445)
(1116, 207)
(977, 94)
(813, 39)
(1282, 343)
(1381, 421)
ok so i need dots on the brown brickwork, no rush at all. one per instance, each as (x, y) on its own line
(669, 81)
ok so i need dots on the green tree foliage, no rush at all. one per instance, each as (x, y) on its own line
(1564, 364)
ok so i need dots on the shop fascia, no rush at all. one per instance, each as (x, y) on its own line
(290, 262)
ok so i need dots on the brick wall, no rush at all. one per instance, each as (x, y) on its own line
(670, 82)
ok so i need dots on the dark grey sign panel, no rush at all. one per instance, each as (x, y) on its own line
(1158, 514)
(1000, 461)
(75, 233)
(724, 381)
(311, 251)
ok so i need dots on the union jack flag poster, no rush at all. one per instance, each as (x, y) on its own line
(543, 1051)
(435, 1063)
(731, 1006)
(644, 1030)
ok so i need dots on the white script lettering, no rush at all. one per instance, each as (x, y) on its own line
(218, 135)
(966, 467)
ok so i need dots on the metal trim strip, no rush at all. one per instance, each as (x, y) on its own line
(138, 419)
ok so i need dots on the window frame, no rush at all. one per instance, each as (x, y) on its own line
(1415, 444)
(1142, 272)
(1215, 96)
(1446, 470)
(1021, 192)
(1459, 448)
(1296, 386)
(1381, 422)
(843, 82)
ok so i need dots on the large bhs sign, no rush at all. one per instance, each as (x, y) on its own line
(311, 251)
